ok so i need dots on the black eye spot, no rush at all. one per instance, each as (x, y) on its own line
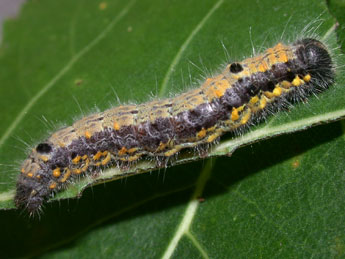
(290, 76)
(43, 148)
(270, 86)
(73, 155)
(236, 68)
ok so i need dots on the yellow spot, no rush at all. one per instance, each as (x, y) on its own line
(105, 153)
(263, 102)
(212, 138)
(38, 176)
(106, 160)
(285, 84)
(307, 78)
(240, 108)
(22, 170)
(84, 157)
(30, 174)
(87, 134)
(86, 166)
(263, 67)
(254, 100)
(97, 155)
(277, 91)
(56, 172)
(116, 126)
(52, 186)
(122, 151)
(272, 56)
(297, 81)
(201, 133)
(44, 158)
(171, 152)
(66, 175)
(132, 150)
(161, 147)
(234, 114)
(246, 117)
(218, 93)
(269, 95)
(208, 80)
(283, 57)
(77, 171)
(103, 6)
(252, 67)
(76, 160)
(133, 158)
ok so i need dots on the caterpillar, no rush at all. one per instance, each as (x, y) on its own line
(242, 94)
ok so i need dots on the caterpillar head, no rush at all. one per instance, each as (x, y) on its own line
(33, 182)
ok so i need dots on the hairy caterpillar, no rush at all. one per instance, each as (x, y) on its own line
(235, 98)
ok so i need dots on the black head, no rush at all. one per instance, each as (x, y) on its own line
(315, 58)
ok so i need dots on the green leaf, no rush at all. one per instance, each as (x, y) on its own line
(281, 197)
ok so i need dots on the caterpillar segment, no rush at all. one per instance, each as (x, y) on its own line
(160, 129)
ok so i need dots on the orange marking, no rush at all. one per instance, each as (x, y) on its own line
(201, 133)
(22, 170)
(106, 160)
(44, 158)
(97, 155)
(252, 67)
(171, 152)
(30, 174)
(272, 56)
(77, 171)
(133, 158)
(297, 81)
(161, 146)
(285, 84)
(38, 176)
(307, 78)
(263, 102)
(254, 100)
(263, 67)
(87, 134)
(133, 149)
(122, 151)
(234, 114)
(52, 186)
(86, 166)
(84, 157)
(282, 57)
(218, 93)
(269, 94)
(66, 175)
(56, 172)
(246, 117)
(116, 126)
(76, 160)
(212, 137)
(277, 91)
(104, 153)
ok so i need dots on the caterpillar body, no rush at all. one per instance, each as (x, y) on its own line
(235, 98)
